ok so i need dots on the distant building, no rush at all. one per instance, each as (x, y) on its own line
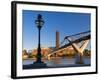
(67, 51)
(44, 51)
(24, 54)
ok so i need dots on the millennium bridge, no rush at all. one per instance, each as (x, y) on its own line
(81, 38)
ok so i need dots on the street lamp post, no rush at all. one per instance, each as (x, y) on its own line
(39, 23)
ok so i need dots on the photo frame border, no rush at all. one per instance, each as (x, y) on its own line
(14, 38)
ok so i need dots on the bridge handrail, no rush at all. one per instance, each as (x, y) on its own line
(77, 34)
(75, 41)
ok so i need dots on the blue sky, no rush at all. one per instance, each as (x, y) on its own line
(64, 22)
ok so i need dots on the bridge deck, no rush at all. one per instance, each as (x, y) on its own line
(75, 41)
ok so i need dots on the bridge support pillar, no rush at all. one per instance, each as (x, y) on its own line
(79, 51)
(79, 59)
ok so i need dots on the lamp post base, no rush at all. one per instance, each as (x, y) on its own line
(39, 64)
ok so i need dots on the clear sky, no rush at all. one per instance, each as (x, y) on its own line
(64, 22)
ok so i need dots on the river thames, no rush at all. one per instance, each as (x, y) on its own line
(60, 62)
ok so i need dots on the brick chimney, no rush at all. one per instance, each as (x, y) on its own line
(57, 39)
